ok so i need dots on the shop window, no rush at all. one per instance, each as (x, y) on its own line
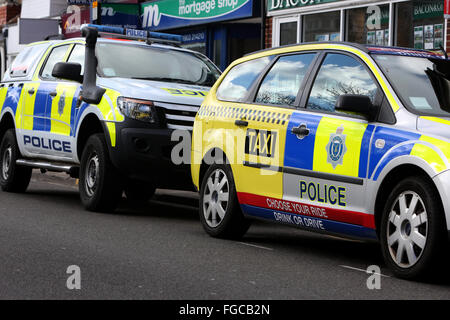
(288, 33)
(282, 83)
(322, 26)
(368, 25)
(353, 79)
(237, 83)
(421, 24)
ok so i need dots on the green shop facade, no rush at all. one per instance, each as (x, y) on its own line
(224, 30)
(412, 24)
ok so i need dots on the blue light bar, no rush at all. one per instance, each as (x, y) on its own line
(137, 34)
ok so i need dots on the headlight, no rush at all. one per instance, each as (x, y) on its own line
(142, 110)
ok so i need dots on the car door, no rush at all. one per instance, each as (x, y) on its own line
(326, 155)
(263, 123)
(51, 109)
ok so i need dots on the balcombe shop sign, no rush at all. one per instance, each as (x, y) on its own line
(167, 14)
(274, 5)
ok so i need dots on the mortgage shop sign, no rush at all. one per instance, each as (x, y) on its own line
(167, 14)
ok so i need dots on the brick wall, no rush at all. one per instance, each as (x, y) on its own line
(8, 12)
(268, 35)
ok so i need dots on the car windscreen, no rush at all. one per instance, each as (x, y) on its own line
(423, 84)
(153, 63)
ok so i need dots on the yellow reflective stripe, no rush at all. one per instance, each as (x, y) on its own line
(431, 156)
(353, 132)
(438, 120)
(110, 111)
(62, 108)
(3, 92)
(112, 132)
(28, 106)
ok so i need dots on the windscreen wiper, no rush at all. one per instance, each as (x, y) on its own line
(165, 79)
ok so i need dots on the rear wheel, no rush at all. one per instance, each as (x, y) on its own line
(13, 178)
(220, 213)
(413, 229)
(100, 188)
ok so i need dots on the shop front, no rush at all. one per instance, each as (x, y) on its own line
(224, 30)
(412, 24)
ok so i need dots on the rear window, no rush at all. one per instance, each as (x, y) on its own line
(26, 60)
(237, 83)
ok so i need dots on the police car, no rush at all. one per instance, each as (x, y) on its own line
(102, 110)
(336, 138)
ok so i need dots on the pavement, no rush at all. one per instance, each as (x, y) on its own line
(160, 251)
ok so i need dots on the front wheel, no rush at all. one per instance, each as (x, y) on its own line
(220, 213)
(13, 178)
(100, 188)
(413, 230)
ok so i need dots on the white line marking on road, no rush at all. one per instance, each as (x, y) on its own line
(254, 245)
(362, 270)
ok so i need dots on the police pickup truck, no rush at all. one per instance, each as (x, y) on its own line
(103, 110)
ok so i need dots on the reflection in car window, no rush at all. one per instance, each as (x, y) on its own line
(282, 83)
(154, 63)
(26, 59)
(338, 75)
(422, 84)
(57, 55)
(77, 56)
(239, 80)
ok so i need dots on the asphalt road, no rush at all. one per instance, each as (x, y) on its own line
(159, 251)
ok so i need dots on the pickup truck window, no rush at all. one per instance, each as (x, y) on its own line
(57, 55)
(26, 60)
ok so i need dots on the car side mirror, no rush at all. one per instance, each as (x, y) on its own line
(68, 71)
(357, 103)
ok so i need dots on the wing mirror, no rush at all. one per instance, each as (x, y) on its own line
(68, 71)
(357, 103)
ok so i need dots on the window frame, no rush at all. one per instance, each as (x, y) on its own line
(68, 51)
(378, 100)
(257, 85)
(258, 78)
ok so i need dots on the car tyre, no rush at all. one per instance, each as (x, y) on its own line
(413, 229)
(100, 188)
(13, 178)
(220, 213)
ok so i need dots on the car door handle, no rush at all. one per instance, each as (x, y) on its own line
(301, 131)
(31, 92)
(241, 123)
(53, 94)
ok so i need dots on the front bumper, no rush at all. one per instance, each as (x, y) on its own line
(143, 152)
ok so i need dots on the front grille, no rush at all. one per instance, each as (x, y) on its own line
(178, 116)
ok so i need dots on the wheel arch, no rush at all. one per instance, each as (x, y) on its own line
(90, 125)
(391, 178)
(218, 155)
(6, 123)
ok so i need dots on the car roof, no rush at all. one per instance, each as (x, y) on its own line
(372, 49)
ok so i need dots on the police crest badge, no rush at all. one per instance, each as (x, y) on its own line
(336, 148)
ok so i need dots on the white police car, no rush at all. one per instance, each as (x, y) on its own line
(103, 111)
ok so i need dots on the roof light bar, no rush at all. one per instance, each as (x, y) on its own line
(136, 34)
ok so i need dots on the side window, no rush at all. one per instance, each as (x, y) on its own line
(338, 75)
(26, 60)
(77, 56)
(282, 83)
(57, 55)
(239, 80)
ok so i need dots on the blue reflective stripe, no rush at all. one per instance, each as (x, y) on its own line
(364, 154)
(328, 225)
(293, 157)
(391, 137)
(12, 98)
(397, 152)
(74, 111)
